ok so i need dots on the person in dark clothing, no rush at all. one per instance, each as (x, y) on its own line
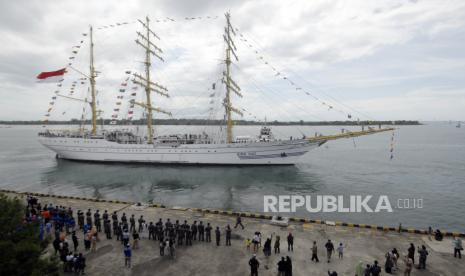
(411, 252)
(132, 224)
(181, 234)
(239, 221)
(115, 225)
(375, 269)
(367, 271)
(334, 273)
(254, 265)
(389, 264)
(124, 219)
(290, 242)
(162, 247)
(81, 263)
(107, 228)
(282, 267)
(422, 259)
(119, 232)
(267, 247)
(88, 218)
(277, 244)
(97, 221)
(168, 226)
(201, 229)
(161, 233)
(288, 266)
(329, 249)
(438, 235)
(75, 241)
(114, 216)
(56, 245)
(218, 236)
(194, 230)
(159, 229)
(141, 222)
(188, 236)
(208, 233)
(228, 235)
(80, 219)
(315, 252)
(105, 215)
(88, 213)
(151, 231)
(177, 228)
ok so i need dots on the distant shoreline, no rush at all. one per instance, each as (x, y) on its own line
(220, 122)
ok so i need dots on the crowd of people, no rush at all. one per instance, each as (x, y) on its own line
(57, 223)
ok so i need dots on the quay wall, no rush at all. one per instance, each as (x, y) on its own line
(247, 214)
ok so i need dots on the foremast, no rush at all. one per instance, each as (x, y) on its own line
(92, 75)
(231, 85)
(145, 82)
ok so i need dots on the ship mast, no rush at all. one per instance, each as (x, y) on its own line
(92, 76)
(150, 86)
(231, 85)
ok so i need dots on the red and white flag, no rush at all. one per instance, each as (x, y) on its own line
(54, 76)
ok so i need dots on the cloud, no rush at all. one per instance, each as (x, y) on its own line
(379, 58)
(439, 103)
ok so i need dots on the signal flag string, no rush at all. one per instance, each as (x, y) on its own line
(158, 20)
(74, 52)
(119, 99)
(283, 76)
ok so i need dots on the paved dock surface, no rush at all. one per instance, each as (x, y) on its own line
(203, 258)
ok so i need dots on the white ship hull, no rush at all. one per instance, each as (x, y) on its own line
(252, 153)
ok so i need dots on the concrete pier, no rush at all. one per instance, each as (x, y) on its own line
(362, 244)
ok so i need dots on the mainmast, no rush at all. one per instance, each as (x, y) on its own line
(92, 76)
(230, 84)
(150, 49)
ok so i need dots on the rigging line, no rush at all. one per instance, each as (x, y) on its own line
(298, 76)
(257, 119)
(196, 99)
(218, 95)
(273, 106)
(299, 107)
(330, 106)
(262, 52)
(327, 95)
(78, 106)
(69, 66)
(277, 94)
(288, 80)
(336, 101)
(139, 94)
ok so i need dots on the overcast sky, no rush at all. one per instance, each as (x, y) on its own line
(370, 59)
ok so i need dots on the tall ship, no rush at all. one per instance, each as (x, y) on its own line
(118, 145)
